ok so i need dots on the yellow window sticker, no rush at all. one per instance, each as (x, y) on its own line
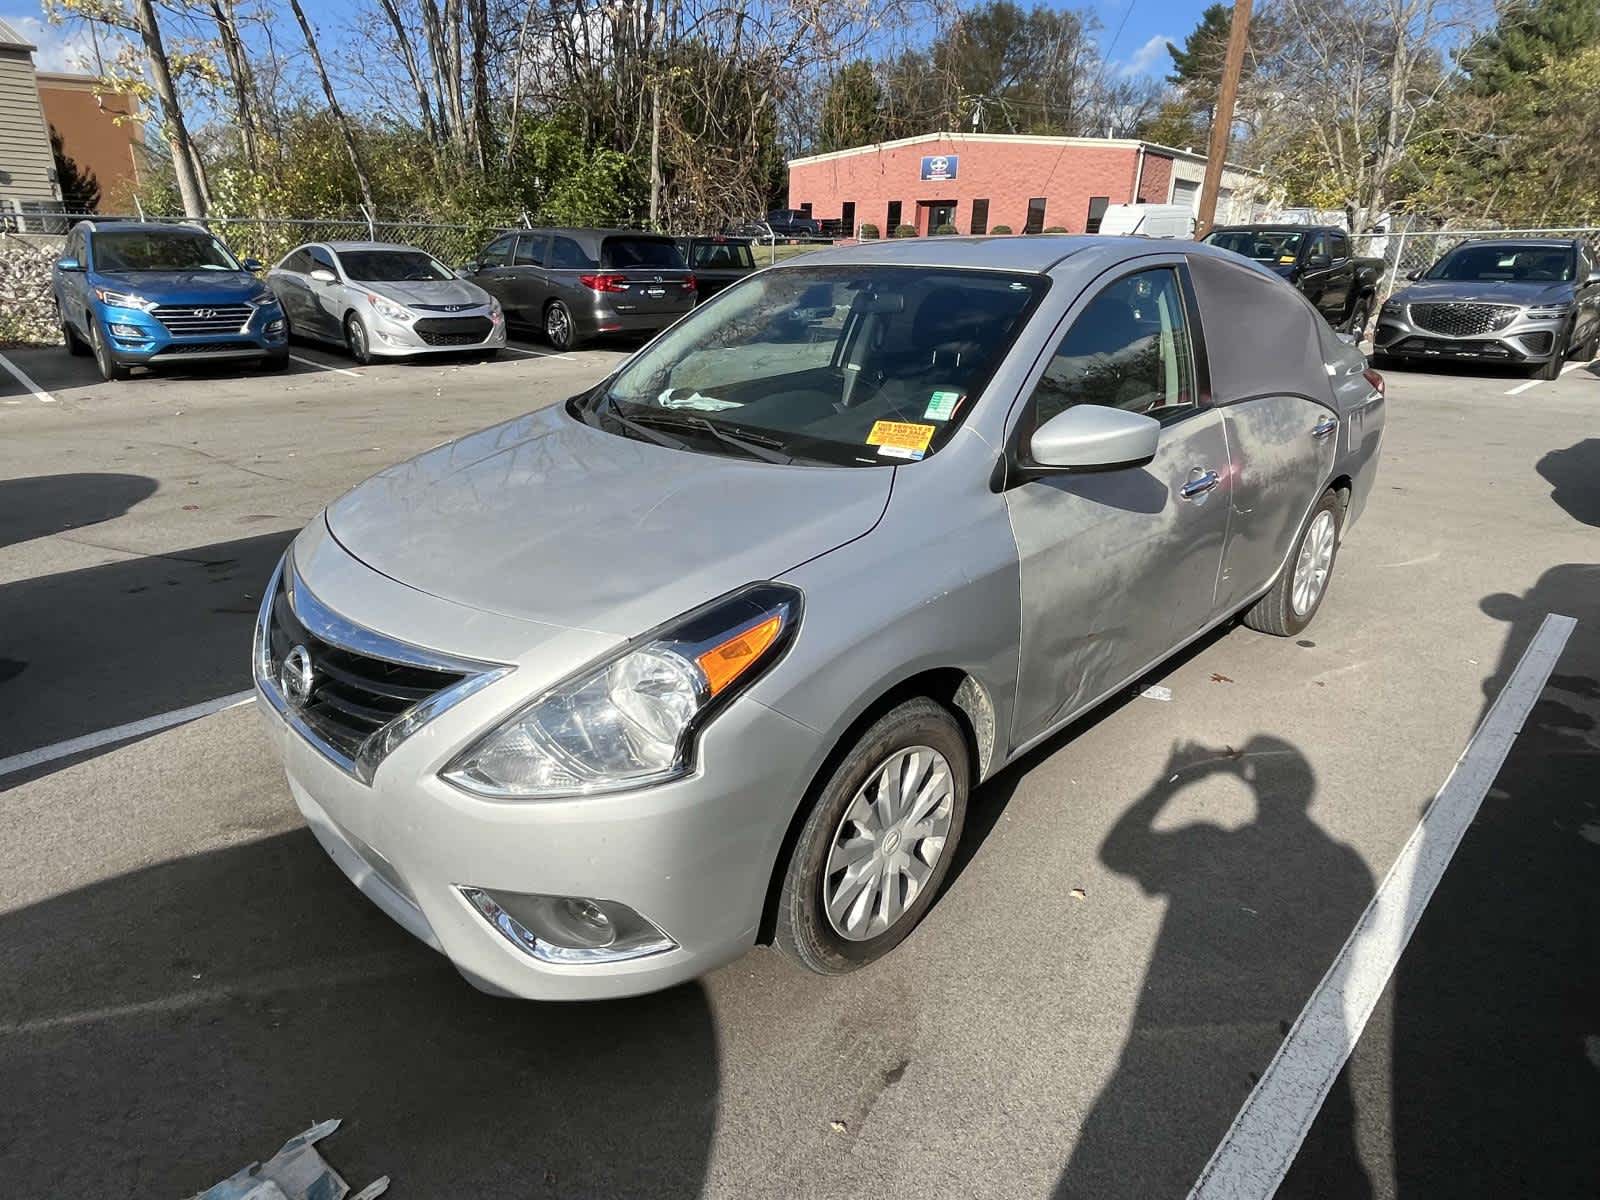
(900, 435)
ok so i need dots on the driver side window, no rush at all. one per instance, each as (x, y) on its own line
(1128, 349)
(499, 252)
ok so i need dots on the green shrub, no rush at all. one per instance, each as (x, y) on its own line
(1056, 229)
(1001, 229)
(868, 232)
(905, 231)
(944, 230)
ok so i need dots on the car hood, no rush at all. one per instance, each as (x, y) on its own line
(430, 291)
(547, 519)
(184, 287)
(1486, 291)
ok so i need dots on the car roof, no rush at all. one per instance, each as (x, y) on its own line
(341, 247)
(1036, 252)
(146, 227)
(1531, 243)
(1285, 227)
(582, 231)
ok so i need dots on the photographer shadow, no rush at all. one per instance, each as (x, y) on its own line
(1254, 915)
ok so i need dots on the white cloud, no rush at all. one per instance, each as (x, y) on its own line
(1150, 58)
(60, 47)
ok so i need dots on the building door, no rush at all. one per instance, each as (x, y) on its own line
(1186, 191)
(936, 213)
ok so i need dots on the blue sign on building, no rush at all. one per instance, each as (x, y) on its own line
(939, 166)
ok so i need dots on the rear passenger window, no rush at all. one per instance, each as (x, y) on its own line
(640, 252)
(1341, 247)
(1128, 349)
(298, 262)
(530, 250)
(568, 254)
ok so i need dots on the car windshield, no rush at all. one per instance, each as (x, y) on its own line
(143, 250)
(721, 255)
(1263, 245)
(847, 365)
(393, 266)
(1515, 264)
(640, 252)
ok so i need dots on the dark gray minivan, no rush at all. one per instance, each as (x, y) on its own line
(575, 284)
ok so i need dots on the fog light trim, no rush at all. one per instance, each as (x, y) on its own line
(534, 926)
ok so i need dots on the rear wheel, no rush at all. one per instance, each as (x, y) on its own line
(559, 328)
(1295, 598)
(355, 339)
(1357, 324)
(110, 369)
(877, 843)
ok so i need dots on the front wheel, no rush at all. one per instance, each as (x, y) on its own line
(1359, 313)
(877, 843)
(110, 369)
(1295, 598)
(355, 339)
(1551, 367)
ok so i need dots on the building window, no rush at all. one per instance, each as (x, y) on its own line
(806, 208)
(1097, 213)
(980, 216)
(847, 219)
(893, 222)
(1035, 215)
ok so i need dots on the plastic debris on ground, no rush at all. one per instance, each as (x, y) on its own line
(296, 1172)
(1156, 692)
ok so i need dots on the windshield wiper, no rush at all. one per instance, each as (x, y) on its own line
(756, 447)
(639, 430)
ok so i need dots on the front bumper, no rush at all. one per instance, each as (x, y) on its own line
(138, 338)
(693, 857)
(402, 339)
(1522, 341)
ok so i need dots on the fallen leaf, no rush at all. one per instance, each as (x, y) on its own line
(191, 508)
(1216, 678)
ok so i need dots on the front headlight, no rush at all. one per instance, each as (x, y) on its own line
(496, 314)
(1547, 312)
(386, 307)
(630, 720)
(1391, 308)
(262, 299)
(123, 299)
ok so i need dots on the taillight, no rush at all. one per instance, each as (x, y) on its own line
(689, 283)
(604, 283)
(1375, 380)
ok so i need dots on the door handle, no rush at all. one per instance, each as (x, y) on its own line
(1324, 427)
(1199, 486)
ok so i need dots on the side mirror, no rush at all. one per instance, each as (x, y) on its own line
(253, 265)
(323, 275)
(69, 264)
(1090, 437)
(1317, 260)
(1413, 276)
(469, 268)
(1594, 276)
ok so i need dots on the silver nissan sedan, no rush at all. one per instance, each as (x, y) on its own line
(715, 653)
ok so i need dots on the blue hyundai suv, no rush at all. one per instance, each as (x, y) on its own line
(141, 294)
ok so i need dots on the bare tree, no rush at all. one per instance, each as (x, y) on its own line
(339, 119)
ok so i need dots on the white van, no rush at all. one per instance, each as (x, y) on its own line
(1149, 220)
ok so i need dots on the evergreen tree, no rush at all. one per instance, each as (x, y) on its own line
(1529, 37)
(80, 190)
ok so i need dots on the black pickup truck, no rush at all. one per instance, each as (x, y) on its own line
(1317, 260)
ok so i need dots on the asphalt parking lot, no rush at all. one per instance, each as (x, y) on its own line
(1140, 913)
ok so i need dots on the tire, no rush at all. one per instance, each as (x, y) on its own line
(1278, 612)
(1359, 315)
(276, 361)
(559, 329)
(910, 739)
(356, 339)
(1551, 367)
(110, 369)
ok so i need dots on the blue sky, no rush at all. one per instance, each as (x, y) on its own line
(1138, 49)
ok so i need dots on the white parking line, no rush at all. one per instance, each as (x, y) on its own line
(119, 733)
(1258, 1149)
(539, 353)
(311, 362)
(1522, 387)
(40, 394)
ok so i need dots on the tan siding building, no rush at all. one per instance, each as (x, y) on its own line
(27, 167)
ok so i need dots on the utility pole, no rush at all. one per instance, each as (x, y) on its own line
(1222, 116)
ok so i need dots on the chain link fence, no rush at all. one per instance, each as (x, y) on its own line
(1404, 253)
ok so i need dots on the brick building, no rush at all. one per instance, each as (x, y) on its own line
(101, 130)
(976, 181)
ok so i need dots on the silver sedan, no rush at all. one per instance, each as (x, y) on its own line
(384, 301)
(716, 652)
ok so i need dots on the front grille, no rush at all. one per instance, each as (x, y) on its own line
(1451, 349)
(453, 331)
(206, 347)
(445, 307)
(193, 320)
(352, 695)
(1462, 320)
(1537, 343)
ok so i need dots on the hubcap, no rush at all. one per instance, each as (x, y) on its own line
(1311, 569)
(556, 325)
(888, 843)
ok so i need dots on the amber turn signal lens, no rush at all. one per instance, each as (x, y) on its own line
(724, 663)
